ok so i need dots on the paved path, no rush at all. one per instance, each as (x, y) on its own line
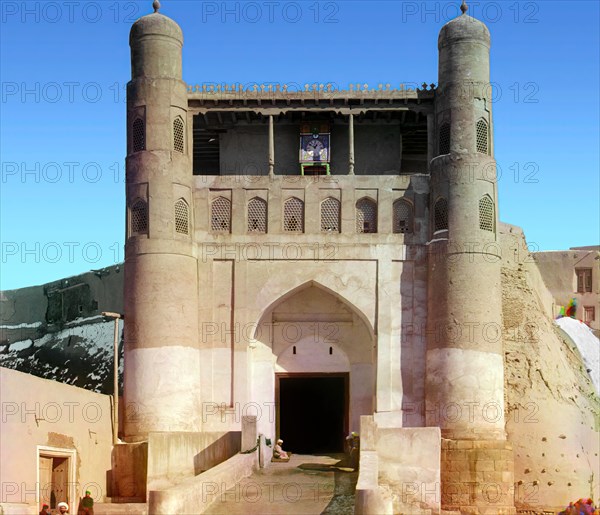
(305, 485)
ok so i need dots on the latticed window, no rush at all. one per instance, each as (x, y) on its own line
(330, 215)
(220, 215)
(257, 215)
(486, 214)
(293, 215)
(182, 217)
(444, 141)
(482, 137)
(403, 219)
(139, 217)
(440, 215)
(138, 135)
(366, 215)
(178, 135)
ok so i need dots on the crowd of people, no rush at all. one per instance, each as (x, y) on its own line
(86, 506)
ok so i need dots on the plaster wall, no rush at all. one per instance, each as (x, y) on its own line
(174, 457)
(409, 463)
(38, 412)
(363, 295)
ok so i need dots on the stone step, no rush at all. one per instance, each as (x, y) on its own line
(125, 508)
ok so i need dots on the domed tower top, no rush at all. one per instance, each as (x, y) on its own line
(463, 28)
(464, 51)
(156, 42)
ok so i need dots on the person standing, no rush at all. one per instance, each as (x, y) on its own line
(86, 504)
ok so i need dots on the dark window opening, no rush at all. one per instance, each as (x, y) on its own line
(206, 157)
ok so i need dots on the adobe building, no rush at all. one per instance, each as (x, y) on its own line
(574, 274)
(307, 264)
(287, 246)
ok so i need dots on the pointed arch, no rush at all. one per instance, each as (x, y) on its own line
(138, 212)
(444, 139)
(309, 284)
(179, 135)
(440, 215)
(182, 217)
(366, 215)
(138, 135)
(483, 137)
(403, 218)
(257, 215)
(220, 215)
(487, 214)
(293, 215)
(330, 215)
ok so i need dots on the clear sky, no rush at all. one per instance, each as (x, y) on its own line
(65, 65)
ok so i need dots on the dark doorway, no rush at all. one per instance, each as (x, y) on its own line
(312, 412)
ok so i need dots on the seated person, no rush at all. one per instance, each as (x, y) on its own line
(278, 452)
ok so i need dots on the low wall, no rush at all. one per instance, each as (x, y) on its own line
(369, 498)
(201, 491)
(129, 472)
(174, 457)
(409, 464)
(18, 509)
(399, 462)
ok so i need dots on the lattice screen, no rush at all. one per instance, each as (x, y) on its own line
(220, 215)
(293, 215)
(178, 135)
(182, 223)
(440, 215)
(330, 215)
(486, 214)
(138, 135)
(257, 215)
(403, 219)
(366, 216)
(482, 136)
(139, 217)
(444, 141)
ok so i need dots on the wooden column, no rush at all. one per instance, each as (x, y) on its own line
(351, 145)
(430, 138)
(271, 147)
(400, 159)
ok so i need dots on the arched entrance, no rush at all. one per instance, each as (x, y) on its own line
(321, 366)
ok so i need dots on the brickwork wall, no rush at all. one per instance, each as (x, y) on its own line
(478, 476)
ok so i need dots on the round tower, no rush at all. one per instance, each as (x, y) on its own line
(465, 365)
(162, 372)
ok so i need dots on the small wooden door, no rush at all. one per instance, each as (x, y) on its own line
(60, 477)
(45, 480)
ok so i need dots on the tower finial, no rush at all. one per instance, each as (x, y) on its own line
(464, 7)
(156, 5)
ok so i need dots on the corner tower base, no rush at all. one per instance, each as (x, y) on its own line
(478, 477)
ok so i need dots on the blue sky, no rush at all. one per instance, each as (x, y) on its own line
(65, 64)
